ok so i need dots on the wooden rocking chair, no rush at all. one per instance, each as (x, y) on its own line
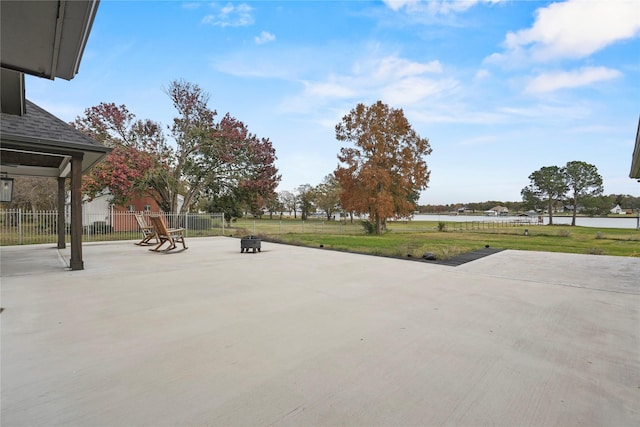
(164, 234)
(146, 230)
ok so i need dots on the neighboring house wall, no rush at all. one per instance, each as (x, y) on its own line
(120, 217)
(92, 210)
(618, 210)
(139, 204)
(498, 210)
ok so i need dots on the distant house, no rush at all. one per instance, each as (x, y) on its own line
(496, 211)
(618, 210)
(100, 209)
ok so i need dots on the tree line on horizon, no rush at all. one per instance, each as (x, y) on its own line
(598, 206)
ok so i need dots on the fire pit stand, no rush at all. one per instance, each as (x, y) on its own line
(250, 242)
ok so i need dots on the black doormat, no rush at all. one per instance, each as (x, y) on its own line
(465, 258)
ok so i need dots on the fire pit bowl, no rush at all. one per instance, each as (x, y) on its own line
(250, 242)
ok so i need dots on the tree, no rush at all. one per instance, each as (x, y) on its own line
(273, 205)
(384, 167)
(210, 155)
(207, 156)
(328, 195)
(227, 204)
(34, 193)
(260, 176)
(548, 185)
(583, 181)
(306, 198)
(137, 146)
(289, 201)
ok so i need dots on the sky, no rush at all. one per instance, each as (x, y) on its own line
(500, 88)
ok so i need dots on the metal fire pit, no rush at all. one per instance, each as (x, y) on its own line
(250, 242)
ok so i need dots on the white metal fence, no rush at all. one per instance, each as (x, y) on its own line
(20, 227)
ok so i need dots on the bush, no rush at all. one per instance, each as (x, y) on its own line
(442, 226)
(369, 228)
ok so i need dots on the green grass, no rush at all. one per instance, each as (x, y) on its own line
(417, 237)
(402, 238)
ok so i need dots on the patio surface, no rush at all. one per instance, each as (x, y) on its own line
(309, 337)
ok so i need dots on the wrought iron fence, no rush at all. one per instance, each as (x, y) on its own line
(21, 227)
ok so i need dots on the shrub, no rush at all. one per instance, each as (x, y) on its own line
(369, 228)
(442, 226)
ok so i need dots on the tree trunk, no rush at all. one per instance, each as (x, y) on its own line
(550, 214)
(378, 225)
(575, 209)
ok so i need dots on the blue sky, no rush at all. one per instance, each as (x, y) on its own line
(500, 88)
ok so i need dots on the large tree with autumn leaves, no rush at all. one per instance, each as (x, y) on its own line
(137, 147)
(385, 166)
(205, 157)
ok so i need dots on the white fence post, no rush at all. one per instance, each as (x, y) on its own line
(19, 226)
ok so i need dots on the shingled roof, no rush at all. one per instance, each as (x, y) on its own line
(38, 143)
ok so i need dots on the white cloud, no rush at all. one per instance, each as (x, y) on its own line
(435, 7)
(482, 74)
(397, 80)
(264, 37)
(191, 5)
(394, 67)
(330, 89)
(550, 82)
(412, 90)
(399, 4)
(572, 29)
(230, 15)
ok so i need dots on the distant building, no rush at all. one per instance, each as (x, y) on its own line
(496, 211)
(618, 210)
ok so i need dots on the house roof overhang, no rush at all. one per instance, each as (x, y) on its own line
(635, 159)
(45, 38)
(40, 144)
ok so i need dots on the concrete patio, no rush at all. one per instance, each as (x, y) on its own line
(310, 337)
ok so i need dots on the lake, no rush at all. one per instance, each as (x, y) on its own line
(625, 221)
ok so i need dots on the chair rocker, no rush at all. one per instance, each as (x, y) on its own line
(164, 234)
(147, 231)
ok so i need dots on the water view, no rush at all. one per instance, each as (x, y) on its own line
(624, 221)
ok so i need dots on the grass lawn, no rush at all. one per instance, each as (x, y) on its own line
(417, 237)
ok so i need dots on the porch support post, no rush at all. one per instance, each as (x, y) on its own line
(76, 213)
(61, 216)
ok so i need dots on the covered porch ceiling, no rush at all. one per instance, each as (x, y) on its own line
(45, 38)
